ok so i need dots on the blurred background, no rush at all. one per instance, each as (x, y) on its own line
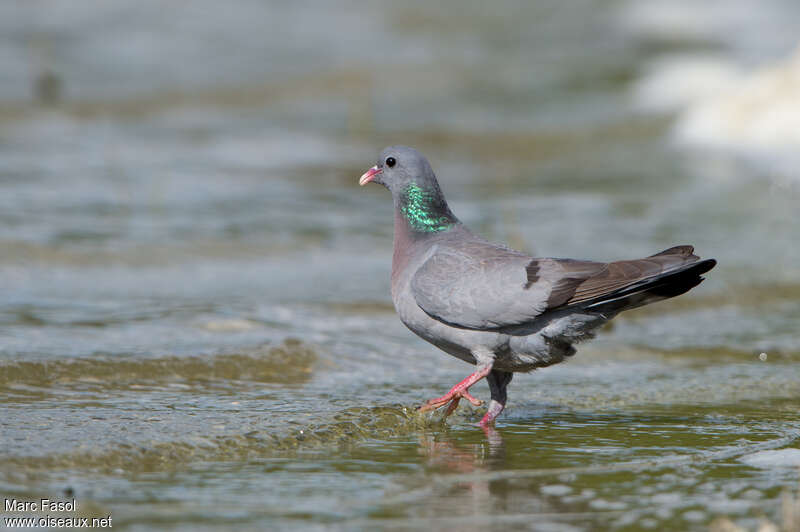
(196, 330)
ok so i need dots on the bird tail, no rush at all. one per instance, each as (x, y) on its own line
(663, 286)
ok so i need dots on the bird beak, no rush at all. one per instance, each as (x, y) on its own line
(369, 175)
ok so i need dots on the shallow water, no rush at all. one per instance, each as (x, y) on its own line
(195, 323)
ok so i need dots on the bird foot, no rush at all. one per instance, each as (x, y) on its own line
(456, 393)
(453, 397)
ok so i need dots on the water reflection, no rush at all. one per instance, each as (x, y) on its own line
(512, 474)
(442, 451)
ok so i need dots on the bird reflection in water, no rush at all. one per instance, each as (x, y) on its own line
(445, 454)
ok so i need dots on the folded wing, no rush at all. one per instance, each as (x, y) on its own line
(483, 286)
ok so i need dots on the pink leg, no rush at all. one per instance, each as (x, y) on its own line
(457, 392)
(494, 410)
(498, 381)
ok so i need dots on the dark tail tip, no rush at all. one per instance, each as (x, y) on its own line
(703, 266)
(668, 285)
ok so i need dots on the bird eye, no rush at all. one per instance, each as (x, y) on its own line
(390, 161)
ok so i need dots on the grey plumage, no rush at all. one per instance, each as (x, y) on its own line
(496, 307)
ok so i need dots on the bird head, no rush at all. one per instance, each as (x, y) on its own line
(398, 167)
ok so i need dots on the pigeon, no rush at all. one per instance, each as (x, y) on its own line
(497, 308)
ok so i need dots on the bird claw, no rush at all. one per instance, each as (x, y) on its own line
(456, 393)
(453, 397)
(471, 399)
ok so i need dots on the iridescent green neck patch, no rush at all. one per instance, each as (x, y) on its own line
(425, 211)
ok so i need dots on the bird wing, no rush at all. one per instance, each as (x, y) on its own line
(483, 286)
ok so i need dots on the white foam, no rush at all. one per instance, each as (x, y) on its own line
(758, 112)
(744, 96)
(776, 458)
(674, 82)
